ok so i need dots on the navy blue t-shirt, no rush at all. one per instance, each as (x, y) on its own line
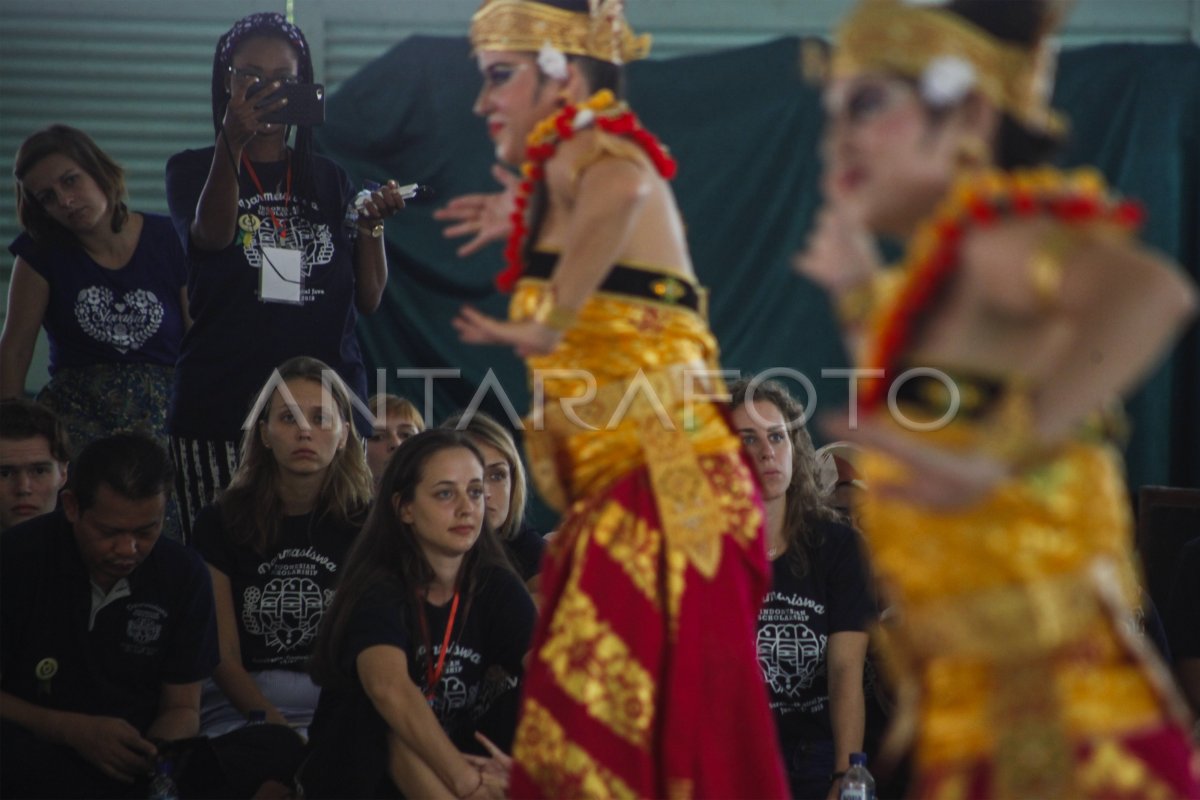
(278, 599)
(795, 623)
(97, 315)
(236, 339)
(164, 631)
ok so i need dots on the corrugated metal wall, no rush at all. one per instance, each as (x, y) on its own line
(135, 74)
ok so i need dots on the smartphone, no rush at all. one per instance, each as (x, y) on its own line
(305, 105)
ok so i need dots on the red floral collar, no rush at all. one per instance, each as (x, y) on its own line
(979, 201)
(604, 112)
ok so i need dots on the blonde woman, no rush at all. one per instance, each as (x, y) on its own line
(274, 542)
(507, 490)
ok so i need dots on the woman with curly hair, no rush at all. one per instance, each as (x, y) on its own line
(812, 629)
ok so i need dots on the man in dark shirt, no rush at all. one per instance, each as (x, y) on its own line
(106, 631)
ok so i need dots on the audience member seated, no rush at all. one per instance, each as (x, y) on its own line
(106, 631)
(812, 629)
(1183, 621)
(399, 422)
(507, 490)
(423, 645)
(275, 541)
(34, 451)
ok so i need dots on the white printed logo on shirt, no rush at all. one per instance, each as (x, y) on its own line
(790, 656)
(286, 613)
(126, 323)
(314, 241)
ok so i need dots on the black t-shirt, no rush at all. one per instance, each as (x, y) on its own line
(236, 339)
(525, 551)
(478, 689)
(796, 620)
(163, 631)
(278, 600)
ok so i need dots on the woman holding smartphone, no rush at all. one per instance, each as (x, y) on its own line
(280, 260)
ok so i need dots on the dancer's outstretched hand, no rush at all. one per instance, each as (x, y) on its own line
(840, 253)
(484, 217)
(934, 477)
(528, 338)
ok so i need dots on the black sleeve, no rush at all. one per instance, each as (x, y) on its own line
(211, 539)
(851, 601)
(194, 653)
(377, 619)
(187, 173)
(526, 550)
(511, 619)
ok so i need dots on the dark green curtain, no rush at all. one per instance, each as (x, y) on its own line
(745, 127)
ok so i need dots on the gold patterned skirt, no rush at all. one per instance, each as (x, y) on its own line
(1016, 668)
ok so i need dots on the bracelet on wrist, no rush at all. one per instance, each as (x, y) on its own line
(372, 228)
(552, 315)
(855, 304)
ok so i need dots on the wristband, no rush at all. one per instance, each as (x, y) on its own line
(550, 314)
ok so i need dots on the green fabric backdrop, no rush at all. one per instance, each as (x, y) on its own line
(744, 126)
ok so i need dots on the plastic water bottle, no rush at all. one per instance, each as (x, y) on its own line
(162, 785)
(857, 783)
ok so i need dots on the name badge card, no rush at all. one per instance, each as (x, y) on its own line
(280, 277)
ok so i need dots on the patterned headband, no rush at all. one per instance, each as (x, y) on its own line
(921, 41)
(266, 22)
(527, 26)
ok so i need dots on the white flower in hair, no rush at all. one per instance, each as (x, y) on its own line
(946, 80)
(552, 62)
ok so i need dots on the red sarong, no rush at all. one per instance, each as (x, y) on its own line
(643, 680)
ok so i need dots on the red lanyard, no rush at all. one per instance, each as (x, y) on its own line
(434, 674)
(287, 195)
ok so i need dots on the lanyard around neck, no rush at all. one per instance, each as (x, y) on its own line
(434, 674)
(287, 194)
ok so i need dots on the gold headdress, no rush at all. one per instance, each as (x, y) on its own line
(891, 36)
(526, 26)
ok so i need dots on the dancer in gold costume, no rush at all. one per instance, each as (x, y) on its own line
(643, 680)
(997, 517)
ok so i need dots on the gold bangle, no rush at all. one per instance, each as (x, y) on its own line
(1046, 265)
(856, 303)
(552, 315)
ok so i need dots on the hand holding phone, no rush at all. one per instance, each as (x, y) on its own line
(304, 104)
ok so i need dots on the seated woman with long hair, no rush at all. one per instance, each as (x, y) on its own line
(275, 541)
(423, 645)
(812, 629)
(506, 491)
